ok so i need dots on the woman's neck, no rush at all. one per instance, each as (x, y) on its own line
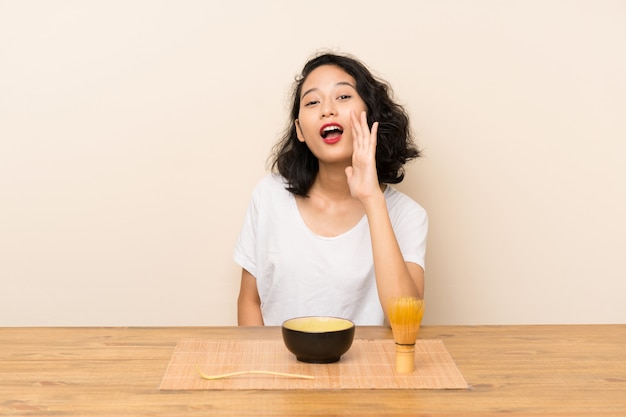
(332, 183)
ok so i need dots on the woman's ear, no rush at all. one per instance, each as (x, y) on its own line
(299, 131)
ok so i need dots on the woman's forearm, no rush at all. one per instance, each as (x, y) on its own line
(394, 278)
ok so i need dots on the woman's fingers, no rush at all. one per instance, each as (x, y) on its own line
(357, 132)
(364, 139)
(373, 137)
(361, 175)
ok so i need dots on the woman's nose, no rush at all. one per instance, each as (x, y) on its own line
(329, 110)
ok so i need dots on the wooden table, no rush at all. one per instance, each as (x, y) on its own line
(569, 370)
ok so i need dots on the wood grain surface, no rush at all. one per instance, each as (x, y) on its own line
(548, 371)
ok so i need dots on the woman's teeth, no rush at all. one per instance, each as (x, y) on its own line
(331, 129)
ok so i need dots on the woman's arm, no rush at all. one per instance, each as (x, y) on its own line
(394, 277)
(248, 303)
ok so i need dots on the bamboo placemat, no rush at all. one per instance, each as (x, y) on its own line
(369, 364)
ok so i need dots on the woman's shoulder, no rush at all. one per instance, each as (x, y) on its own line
(270, 186)
(271, 181)
(397, 200)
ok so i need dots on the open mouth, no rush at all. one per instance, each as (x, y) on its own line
(331, 131)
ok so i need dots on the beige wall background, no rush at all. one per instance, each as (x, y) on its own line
(132, 133)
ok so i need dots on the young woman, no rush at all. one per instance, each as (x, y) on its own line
(324, 233)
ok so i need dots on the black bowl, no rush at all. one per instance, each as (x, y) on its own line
(318, 339)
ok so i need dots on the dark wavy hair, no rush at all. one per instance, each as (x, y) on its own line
(297, 164)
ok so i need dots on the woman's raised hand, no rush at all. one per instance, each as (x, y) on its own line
(362, 175)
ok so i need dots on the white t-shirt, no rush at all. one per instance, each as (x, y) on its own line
(300, 273)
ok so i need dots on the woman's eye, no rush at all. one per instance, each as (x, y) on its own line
(344, 97)
(310, 103)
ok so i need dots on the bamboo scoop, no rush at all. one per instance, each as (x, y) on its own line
(212, 377)
(405, 317)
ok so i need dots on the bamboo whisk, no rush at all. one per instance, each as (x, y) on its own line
(405, 317)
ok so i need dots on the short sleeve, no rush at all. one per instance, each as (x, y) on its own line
(245, 246)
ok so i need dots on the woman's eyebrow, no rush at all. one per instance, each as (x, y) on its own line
(310, 90)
